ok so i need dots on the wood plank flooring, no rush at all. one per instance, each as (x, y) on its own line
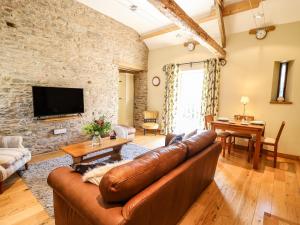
(239, 195)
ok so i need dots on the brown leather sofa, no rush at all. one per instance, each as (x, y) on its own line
(157, 188)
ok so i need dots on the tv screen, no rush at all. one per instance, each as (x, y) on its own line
(49, 101)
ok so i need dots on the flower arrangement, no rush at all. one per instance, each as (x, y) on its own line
(99, 127)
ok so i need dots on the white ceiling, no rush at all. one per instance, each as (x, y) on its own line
(147, 18)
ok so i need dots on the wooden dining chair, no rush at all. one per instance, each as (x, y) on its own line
(241, 135)
(270, 142)
(222, 135)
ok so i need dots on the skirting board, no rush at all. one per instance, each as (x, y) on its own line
(270, 153)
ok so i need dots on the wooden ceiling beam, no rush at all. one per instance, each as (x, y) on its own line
(219, 7)
(219, 2)
(178, 16)
(227, 10)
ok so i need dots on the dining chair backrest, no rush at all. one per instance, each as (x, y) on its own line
(280, 132)
(208, 119)
(242, 117)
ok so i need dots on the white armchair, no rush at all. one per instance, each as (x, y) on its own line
(123, 131)
(13, 156)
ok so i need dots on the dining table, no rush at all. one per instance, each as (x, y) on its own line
(242, 127)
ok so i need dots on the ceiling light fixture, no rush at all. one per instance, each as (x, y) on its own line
(259, 15)
(261, 29)
(133, 8)
(178, 35)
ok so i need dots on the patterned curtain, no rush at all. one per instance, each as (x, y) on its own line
(211, 88)
(171, 98)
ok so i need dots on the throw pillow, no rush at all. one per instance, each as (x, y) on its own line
(95, 175)
(191, 134)
(177, 138)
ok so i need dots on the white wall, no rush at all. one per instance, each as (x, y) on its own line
(249, 71)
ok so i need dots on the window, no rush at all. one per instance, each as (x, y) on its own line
(188, 115)
(282, 80)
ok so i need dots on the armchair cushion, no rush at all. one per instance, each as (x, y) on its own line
(150, 126)
(11, 160)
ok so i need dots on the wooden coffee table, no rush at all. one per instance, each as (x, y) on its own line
(78, 151)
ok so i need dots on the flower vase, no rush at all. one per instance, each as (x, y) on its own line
(96, 140)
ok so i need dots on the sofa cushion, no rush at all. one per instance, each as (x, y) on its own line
(199, 142)
(123, 182)
(95, 175)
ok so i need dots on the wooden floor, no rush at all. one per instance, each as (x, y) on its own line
(239, 195)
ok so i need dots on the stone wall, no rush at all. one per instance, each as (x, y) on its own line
(140, 98)
(60, 43)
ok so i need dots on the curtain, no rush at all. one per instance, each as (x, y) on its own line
(171, 98)
(211, 88)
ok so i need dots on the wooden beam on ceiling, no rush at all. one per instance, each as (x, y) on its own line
(219, 8)
(228, 10)
(178, 16)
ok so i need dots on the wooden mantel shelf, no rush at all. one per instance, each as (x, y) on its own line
(58, 119)
(282, 103)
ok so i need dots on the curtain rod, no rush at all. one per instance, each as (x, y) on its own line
(189, 63)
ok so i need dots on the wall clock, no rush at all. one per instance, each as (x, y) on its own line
(223, 62)
(156, 81)
(190, 45)
(261, 34)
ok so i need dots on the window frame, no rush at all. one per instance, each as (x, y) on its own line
(279, 79)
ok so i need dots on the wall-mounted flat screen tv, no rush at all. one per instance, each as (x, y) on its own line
(51, 101)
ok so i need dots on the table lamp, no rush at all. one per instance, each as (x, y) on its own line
(245, 100)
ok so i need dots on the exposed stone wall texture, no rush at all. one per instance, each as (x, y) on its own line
(140, 98)
(60, 43)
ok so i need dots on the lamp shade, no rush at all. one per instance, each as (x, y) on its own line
(245, 100)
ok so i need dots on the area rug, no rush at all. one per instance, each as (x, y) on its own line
(36, 176)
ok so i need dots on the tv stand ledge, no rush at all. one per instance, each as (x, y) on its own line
(57, 119)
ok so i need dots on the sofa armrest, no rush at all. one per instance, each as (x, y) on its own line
(11, 142)
(83, 198)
